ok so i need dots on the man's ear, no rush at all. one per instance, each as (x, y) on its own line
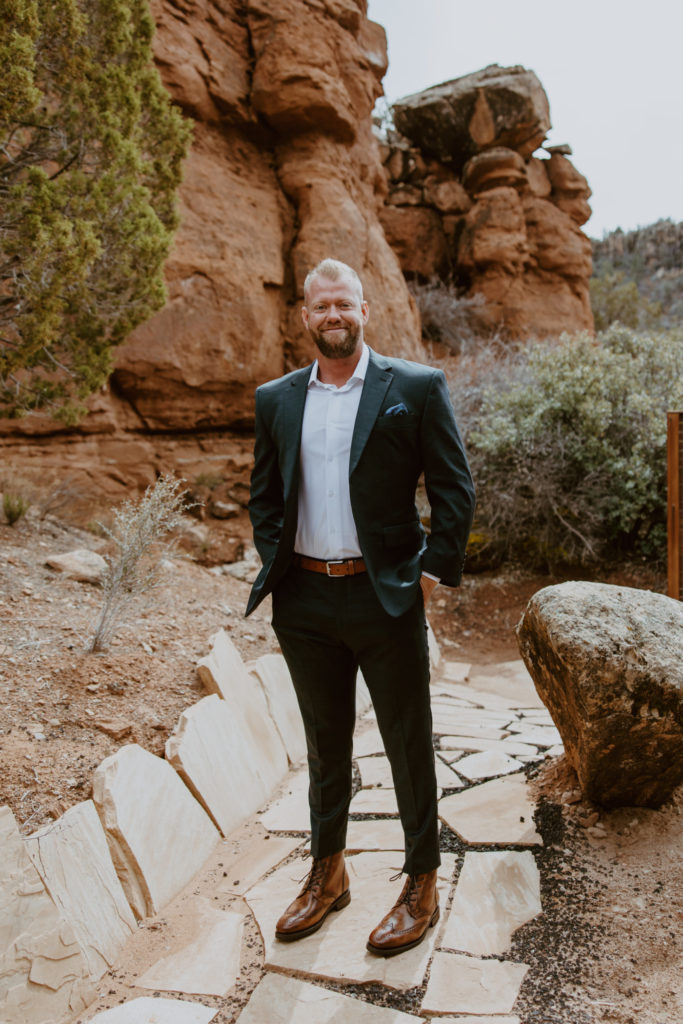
(365, 311)
(304, 315)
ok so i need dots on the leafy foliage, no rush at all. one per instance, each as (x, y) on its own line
(90, 159)
(568, 446)
(615, 299)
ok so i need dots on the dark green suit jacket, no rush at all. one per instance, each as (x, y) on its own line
(388, 454)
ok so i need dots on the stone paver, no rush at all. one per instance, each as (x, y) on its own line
(498, 812)
(280, 1000)
(43, 972)
(368, 742)
(147, 1010)
(487, 764)
(497, 892)
(383, 834)
(463, 984)
(273, 675)
(457, 671)
(207, 962)
(338, 950)
(246, 866)
(505, 746)
(290, 812)
(375, 771)
(469, 1019)
(72, 858)
(374, 801)
(448, 727)
(158, 834)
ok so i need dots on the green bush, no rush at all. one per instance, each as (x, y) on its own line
(90, 160)
(14, 506)
(615, 299)
(568, 447)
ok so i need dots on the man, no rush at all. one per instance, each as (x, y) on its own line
(339, 448)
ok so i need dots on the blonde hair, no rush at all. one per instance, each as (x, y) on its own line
(335, 270)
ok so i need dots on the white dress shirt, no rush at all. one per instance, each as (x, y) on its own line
(326, 529)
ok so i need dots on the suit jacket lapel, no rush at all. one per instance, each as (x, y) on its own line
(378, 377)
(294, 400)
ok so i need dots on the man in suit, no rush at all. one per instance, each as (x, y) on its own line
(339, 448)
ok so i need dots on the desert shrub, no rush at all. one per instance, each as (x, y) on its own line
(90, 160)
(568, 446)
(139, 535)
(615, 299)
(448, 316)
(14, 506)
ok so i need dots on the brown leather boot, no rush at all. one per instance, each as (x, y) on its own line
(406, 924)
(325, 889)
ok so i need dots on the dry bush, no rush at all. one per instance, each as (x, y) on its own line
(449, 317)
(139, 535)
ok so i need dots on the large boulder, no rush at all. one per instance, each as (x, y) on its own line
(607, 662)
(492, 107)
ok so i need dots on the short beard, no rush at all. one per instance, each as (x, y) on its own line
(340, 349)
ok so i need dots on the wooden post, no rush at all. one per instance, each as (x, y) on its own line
(675, 496)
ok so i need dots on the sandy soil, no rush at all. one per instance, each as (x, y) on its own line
(608, 946)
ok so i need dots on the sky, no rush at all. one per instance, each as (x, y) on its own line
(612, 70)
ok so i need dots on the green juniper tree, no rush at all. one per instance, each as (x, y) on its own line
(90, 159)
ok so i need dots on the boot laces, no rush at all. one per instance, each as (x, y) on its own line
(409, 896)
(316, 877)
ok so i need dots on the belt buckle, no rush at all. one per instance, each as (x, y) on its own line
(336, 561)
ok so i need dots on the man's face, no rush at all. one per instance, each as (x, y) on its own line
(335, 315)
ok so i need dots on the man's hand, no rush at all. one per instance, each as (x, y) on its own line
(427, 585)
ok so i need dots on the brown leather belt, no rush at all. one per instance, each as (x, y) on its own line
(338, 567)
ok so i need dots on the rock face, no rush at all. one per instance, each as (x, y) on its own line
(487, 214)
(284, 170)
(608, 663)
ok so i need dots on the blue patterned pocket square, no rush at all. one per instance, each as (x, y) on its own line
(397, 410)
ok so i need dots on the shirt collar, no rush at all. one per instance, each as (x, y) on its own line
(357, 375)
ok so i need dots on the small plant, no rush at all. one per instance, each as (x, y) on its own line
(210, 480)
(14, 506)
(139, 534)
(448, 317)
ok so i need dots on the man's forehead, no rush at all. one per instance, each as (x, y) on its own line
(322, 286)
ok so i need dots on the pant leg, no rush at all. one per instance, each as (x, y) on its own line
(323, 671)
(394, 659)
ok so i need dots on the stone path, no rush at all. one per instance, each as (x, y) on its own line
(169, 881)
(488, 724)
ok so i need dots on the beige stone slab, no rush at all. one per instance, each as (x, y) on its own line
(487, 764)
(247, 865)
(216, 758)
(158, 835)
(496, 893)
(478, 697)
(147, 1010)
(374, 801)
(479, 717)
(375, 771)
(72, 857)
(463, 984)
(434, 649)
(456, 671)
(497, 812)
(363, 698)
(469, 1019)
(207, 962)
(506, 745)
(449, 727)
(290, 811)
(364, 836)
(446, 778)
(556, 751)
(43, 972)
(508, 679)
(223, 672)
(540, 737)
(368, 741)
(273, 675)
(338, 950)
(281, 1000)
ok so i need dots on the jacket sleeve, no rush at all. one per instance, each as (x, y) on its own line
(266, 499)
(449, 486)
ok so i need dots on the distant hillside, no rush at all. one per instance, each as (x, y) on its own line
(652, 257)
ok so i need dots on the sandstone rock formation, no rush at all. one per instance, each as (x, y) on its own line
(608, 663)
(470, 204)
(283, 171)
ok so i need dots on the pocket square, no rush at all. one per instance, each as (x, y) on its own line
(397, 410)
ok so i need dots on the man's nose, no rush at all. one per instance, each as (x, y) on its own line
(333, 313)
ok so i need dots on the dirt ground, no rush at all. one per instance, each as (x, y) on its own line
(609, 945)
